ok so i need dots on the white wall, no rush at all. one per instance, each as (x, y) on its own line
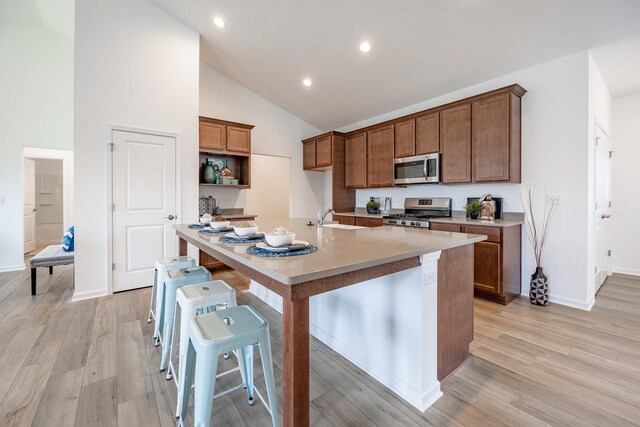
(555, 135)
(626, 178)
(276, 132)
(135, 66)
(36, 111)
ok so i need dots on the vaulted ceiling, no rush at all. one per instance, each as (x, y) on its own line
(420, 48)
(56, 15)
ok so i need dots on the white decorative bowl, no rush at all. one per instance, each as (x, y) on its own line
(245, 231)
(205, 219)
(279, 240)
(216, 225)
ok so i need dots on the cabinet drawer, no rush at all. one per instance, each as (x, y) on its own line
(492, 233)
(345, 220)
(454, 228)
(487, 268)
(368, 222)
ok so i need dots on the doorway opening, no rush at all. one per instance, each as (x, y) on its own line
(48, 196)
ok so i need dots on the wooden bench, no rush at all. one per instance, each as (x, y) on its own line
(50, 256)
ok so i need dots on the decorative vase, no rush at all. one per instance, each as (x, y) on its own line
(539, 290)
(373, 211)
(474, 215)
(209, 173)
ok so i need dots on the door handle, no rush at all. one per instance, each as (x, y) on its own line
(605, 216)
(34, 209)
(171, 217)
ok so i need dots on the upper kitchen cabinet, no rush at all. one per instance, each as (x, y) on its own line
(356, 161)
(219, 136)
(496, 136)
(455, 144)
(380, 147)
(327, 152)
(405, 138)
(428, 133)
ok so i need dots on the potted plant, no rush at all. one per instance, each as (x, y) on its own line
(473, 208)
(539, 285)
(373, 207)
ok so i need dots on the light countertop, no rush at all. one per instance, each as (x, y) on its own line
(477, 222)
(359, 214)
(339, 250)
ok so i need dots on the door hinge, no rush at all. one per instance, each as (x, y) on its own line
(609, 252)
(113, 207)
(609, 203)
(610, 154)
(112, 146)
(113, 266)
(595, 269)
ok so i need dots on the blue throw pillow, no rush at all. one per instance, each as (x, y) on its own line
(67, 240)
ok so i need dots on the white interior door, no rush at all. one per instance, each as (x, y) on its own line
(144, 206)
(603, 206)
(29, 205)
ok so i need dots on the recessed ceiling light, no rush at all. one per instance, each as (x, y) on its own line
(365, 47)
(307, 82)
(219, 22)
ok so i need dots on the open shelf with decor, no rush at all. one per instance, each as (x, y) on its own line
(225, 170)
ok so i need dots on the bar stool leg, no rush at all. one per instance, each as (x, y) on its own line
(167, 324)
(186, 379)
(159, 314)
(187, 312)
(154, 289)
(267, 369)
(206, 371)
(247, 366)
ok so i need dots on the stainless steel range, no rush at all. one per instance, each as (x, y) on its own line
(417, 212)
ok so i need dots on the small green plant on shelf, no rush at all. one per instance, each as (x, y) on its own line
(373, 207)
(473, 208)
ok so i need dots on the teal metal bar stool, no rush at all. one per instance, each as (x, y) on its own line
(162, 265)
(174, 280)
(213, 334)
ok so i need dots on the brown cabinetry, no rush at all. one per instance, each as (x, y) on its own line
(220, 136)
(455, 144)
(428, 133)
(380, 157)
(356, 161)
(345, 220)
(363, 221)
(327, 152)
(405, 138)
(490, 139)
(497, 260)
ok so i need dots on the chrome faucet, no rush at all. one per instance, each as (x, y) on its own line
(322, 216)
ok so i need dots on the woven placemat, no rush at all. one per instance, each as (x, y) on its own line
(197, 226)
(215, 231)
(230, 240)
(254, 250)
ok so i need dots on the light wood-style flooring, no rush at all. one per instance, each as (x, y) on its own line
(92, 363)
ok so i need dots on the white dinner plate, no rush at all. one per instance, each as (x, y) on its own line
(266, 247)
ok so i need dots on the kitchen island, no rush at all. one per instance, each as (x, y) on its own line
(396, 301)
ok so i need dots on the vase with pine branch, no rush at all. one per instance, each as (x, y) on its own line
(537, 234)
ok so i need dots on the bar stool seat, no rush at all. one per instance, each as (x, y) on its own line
(192, 300)
(213, 334)
(162, 265)
(174, 280)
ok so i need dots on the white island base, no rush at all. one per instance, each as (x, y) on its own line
(387, 326)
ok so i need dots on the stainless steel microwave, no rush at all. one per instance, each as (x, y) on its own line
(423, 169)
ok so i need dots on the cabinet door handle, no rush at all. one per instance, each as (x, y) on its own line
(605, 216)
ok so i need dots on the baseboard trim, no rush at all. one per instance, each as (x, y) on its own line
(570, 302)
(16, 267)
(627, 271)
(79, 296)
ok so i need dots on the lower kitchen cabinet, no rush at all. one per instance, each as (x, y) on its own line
(211, 263)
(368, 222)
(345, 220)
(497, 260)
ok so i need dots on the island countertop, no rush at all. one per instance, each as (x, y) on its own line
(339, 250)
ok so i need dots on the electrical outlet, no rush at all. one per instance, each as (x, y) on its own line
(229, 200)
(554, 199)
(1, 200)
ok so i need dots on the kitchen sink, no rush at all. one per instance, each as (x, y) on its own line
(344, 227)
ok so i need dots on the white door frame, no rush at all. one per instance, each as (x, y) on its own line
(108, 138)
(67, 177)
(599, 127)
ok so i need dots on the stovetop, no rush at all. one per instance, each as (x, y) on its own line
(418, 211)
